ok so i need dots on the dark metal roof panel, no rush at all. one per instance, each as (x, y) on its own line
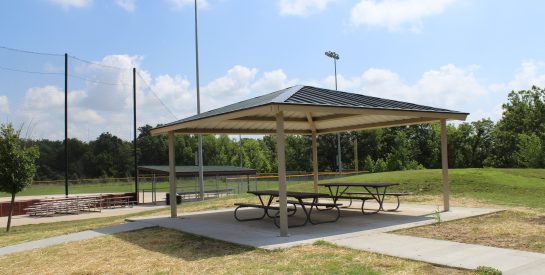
(309, 95)
(319, 96)
(242, 105)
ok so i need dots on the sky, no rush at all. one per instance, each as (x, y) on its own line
(461, 55)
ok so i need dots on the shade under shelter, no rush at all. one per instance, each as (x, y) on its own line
(306, 110)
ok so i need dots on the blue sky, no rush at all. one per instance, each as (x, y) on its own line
(458, 54)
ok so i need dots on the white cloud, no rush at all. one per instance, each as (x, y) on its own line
(302, 7)
(4, 104)
(127, 5)
(396, 14)
(66, 4)
(272, 81)
(448, 87)
(494, 114)
(529, 74)
(95, 108)
(180, 4)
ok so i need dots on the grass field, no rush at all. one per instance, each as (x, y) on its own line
(122, 187)
(163, 251)
(521, 191)
(512, 187)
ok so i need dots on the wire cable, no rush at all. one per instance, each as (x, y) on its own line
(28, 72)
(99, 64)
(99, 82)
(156, 96)
(30, 52)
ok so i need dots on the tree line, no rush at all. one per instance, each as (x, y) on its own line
(516, 140)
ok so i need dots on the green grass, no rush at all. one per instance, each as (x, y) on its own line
(166, 251)
(512, 187)
(31, 232)
(121, 187)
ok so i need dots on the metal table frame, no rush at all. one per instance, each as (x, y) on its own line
(377, 195)
(299, 196)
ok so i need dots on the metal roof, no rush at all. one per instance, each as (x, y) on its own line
(194, 170)
(359, 112)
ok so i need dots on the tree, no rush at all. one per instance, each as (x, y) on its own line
(17, 165)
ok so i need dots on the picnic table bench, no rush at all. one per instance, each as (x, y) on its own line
(373, 190)
(299, 197)
(395, 194)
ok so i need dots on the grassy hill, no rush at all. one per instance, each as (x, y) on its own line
(517, 187)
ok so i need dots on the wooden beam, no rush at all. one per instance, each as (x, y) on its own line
(311, 123)
(282, 189)
(172, 175)
(268, 119)
(444, 165)
(329, 118)
(385, 124)
(214, 118)
(369, 111)
(240, 131)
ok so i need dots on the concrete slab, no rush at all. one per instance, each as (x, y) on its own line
(364, 232)
(533, 268)
(440, 252)
(221, 225)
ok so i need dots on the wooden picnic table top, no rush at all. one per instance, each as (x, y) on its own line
(359, 184)
(297, 195)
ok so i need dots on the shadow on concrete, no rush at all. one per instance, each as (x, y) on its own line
(221, 225)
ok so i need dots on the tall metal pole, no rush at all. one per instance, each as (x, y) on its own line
(66, 124)
(201, 172)
(338, 134)
(134, 133)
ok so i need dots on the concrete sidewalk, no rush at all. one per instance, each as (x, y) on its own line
(84, 235)
(368, 233)
(448, 253)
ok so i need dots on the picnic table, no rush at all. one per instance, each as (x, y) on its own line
(376, 191)
(266, 198)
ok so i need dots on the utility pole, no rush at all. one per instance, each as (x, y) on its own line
(201, 169)
(335, 57)
(66, 124)
(134, 133)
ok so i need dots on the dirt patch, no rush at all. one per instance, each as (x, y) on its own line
(538, 220)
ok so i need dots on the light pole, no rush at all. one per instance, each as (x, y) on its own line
(201, 170)
(335, 57)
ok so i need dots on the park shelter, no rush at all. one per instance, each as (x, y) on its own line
(306, 110)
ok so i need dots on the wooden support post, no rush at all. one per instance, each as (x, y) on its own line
(315, 160)
(172, 175)
(444, 165)
(282, 189)
(356, 164)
